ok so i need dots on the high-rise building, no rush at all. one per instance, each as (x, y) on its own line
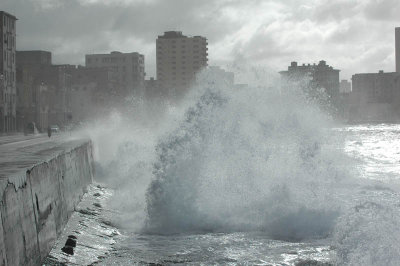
(127, 70)
(8, 90)
(397, 34)
(179, 58)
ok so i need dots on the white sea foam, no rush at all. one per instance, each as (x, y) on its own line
(245, 159)
(253, 158)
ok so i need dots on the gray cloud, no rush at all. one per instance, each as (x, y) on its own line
(352, 35)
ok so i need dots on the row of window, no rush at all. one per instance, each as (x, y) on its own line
(183, 50)
(196, 53)
(182, 63)
(9, 77)
(9, 41)
(9, 22)
(113, 60)
(9, 57)
(174, 67)
(195, 63)
(9, 98)
(184, 39)
(193, 72)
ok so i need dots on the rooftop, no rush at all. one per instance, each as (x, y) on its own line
(7, 14)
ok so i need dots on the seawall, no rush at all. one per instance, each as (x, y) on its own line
(40, 185)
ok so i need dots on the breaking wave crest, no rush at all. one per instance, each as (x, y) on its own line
(243, 159)
(252, 158)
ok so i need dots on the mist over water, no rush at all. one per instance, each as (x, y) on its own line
(246, 159)
(254, 158)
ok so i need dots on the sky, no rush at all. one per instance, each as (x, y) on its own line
(355, 36)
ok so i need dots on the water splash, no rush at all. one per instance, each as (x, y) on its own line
(254, 158)
(245, 159)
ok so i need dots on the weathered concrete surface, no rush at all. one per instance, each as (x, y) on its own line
(41, 182)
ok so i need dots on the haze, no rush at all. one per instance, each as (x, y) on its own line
(355, 36)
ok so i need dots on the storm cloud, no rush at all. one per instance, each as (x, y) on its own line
(352, 35)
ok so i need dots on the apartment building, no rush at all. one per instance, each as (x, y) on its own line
(179, 59)
(8, 88)
(127, 71)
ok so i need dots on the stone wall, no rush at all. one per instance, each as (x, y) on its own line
(35, 204)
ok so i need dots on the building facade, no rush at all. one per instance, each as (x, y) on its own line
(376, 87)
(397, 45)
(44, 90)
(345, 86)
(8, 88)
(318, 75)
(375, 96)
(127, 70)
(32, 90)
(91, 93)
(226, 77)
(179, 59)
(58, 80)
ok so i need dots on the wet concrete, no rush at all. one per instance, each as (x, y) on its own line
(41, 182)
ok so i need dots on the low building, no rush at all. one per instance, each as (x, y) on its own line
(92, 92)
(127, 70)
(33, 105)
(152, 89)
(345, 86)
(375, 87)
(58, 80)
(375, 96)
(228, 78)
(313, 76)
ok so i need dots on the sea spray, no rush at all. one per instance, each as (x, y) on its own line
(249, 158)
(245, 159)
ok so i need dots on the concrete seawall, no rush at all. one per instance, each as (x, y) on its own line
(40, 185)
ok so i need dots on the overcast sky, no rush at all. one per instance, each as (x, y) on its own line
(354, 36)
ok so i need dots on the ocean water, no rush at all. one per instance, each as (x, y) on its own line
(250, 176)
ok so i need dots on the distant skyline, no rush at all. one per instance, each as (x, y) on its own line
(355, 36)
